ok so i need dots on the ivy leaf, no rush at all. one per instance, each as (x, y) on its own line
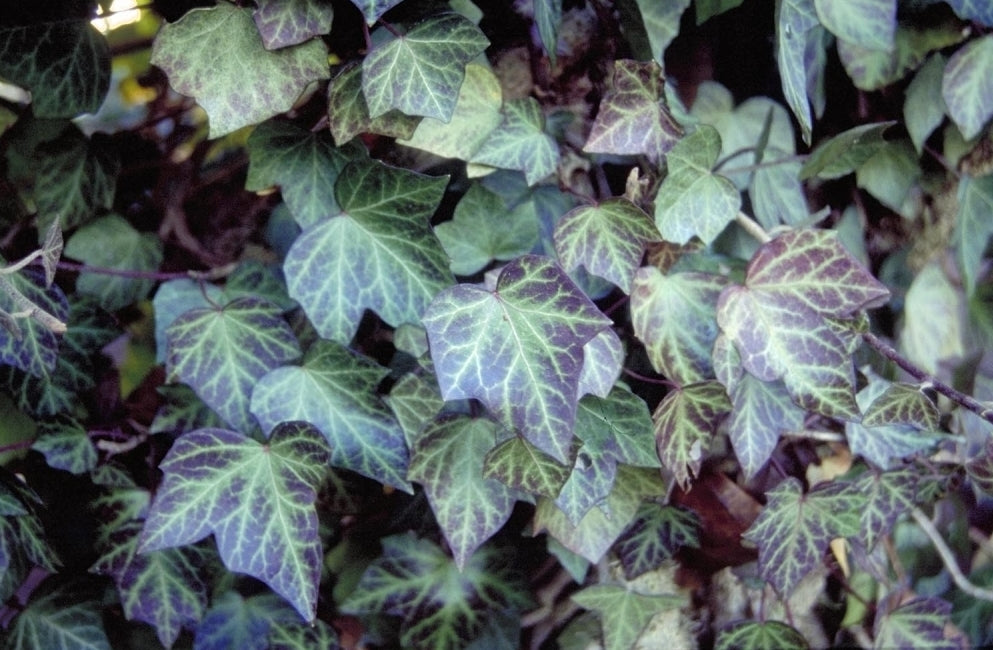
(335, 390)
(980, 467)
(379, 254)
(372, 10)
(305, 165)
(973, 227)
(760, 635)
(888, 496)
(675, 316)
(921, 113)
(882, 440)
(302, 636)
(113, 243)
(518, 349)
(707, 9)
(247, 623)
(65, 64)
(976, 10)
(248, 84)
(176, 297)
(51, 251)
(221, 352)
(447, 460)
(414, 400)
(795, 22)
(282, 23)
(845, 152)
(66, 446)
(36, 350)
(685, 422)
(617, 427)
(548, 18)
(624, 613)
(59, 617)
(902, 404)
(183, 411)
(518, 464)
(348, 114)
(603, 357)
(967, 92)
(918, 623)
(483, 229)
(520, 142)
(692, 200)
(420, 72)
(761, 412)
(440, 606)
(476, 115)
(165, 589)
(794, 529)
(609, 239)
(785, 322)
(661, 21)
(23, 544)
(655, 535)
(252, 497)
(634, 116)
(869, 23)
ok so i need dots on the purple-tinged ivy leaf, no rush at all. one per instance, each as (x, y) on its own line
(675, 316)
(888, 495)
(64, 63)
(372, 10)
(245, 623)
(761, 412)
(221, 353)
(624, 613)
(335, 390)
(518, 349)
(440, 606)
(693, 201)
(973, 226)
(183, 411)
(348, 114)
(518, 464)
(655, 535)
(608, 238)
(885, 443)
(35, 350)
(420, 72)
(166, 589)
(794, 529)
(380, 254)
(520, 142)
(593, 536)
(447, 460)
(415, 401)
(790, 320)
(217, 56)
(257, 500)
(51, 251)
(603, 358)
(282, 23)
(304, 164)
(753, 635)
(844, 153)
(297, 635)
(902, 404)
(23, 543)
(588, 485)
(634, 116)
(685, 422)
(977, 10)
(967, 89)
(869, 23)
(65, 445)
(795, 20)
(919, 623)
(59, 617)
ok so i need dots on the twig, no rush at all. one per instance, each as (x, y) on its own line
(752, 227)
(209, 274)
(649, 380)
(960, 398)
(823, 436)
(948, 558)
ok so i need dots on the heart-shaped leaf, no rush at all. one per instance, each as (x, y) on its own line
(624, 613)
(655, 535)
(752, 635)
(520, 142)
(35, 350)
(685, 422)
(917, 623)
(518, 464)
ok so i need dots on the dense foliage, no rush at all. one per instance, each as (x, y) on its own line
(442, 324)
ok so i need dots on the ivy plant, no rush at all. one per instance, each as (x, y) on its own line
(477, 324)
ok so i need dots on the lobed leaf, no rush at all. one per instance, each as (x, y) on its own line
(348, 113)
(758, 635)
(624, 613)
(661, 21)
(66, 446)
(247, 623)
(902, 404)
(415, 401)
(917, 623)
(656, 535)
(520, 465)
(968, 93)
(884, 441)
(685, 422)
(520, 142)
(889, 495)
(35, 350)
(761, 412)
(59, 618)
(372, 10)
(283, 23)
(603, 359)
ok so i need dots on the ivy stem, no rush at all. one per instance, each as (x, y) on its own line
(960, 398)
(752, 227)
(209, 274)
(14, 446)
(649, 380)
(949, 558)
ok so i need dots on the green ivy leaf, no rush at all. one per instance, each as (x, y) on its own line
(248, 84)
(335, 390)
(483, 229)
(518, 349)
(786, 321)
(692, 200)
(707, 9)
(888, 496)
(548, 18)
(608, 238)
(675, 316)
(66, 446)
(661, 21)
(420, 72)
(617, 426)
(760, 635)
(440, 606)
(518, 464)
(349, 114)
(165, 589)
(918, 623)
(967, 91)
(902, 404)
(247, 623)
(176, 297)
(845, 152)
(304, 164)
(282, 23)
(111, 242)
(415, 401)
(761, 412)
(973, 227)
(885, 441)
(655, 535)
(476, 115)
(58, 618)
(303, 636)
(624, 613)
(520, 142)
(869, 23)
(794, 529)
(221, 352)
(372, 10)
(23, 544)
(183, 411)
(251, 496)
(64, 63)
(921, 113)
(685, 422)
(976, 10)
(891, 174)
(795, 22)
(35, 350)
(634, 116)
(447, 460)
(380, 253)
